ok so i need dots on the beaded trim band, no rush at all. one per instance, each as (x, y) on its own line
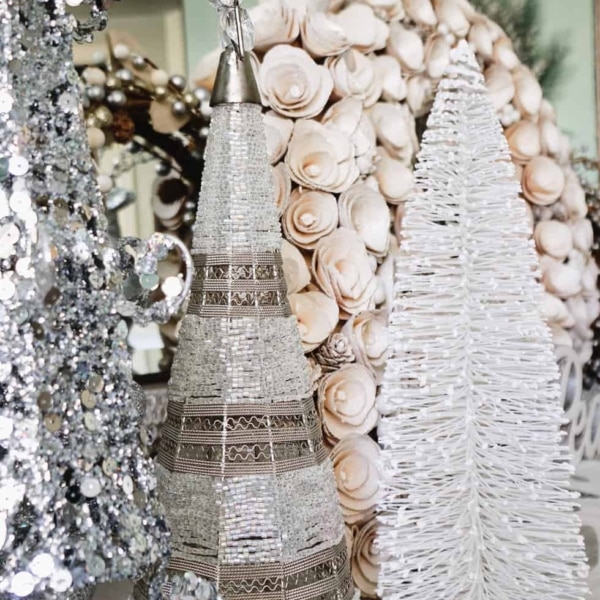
(238, 285)
(256, 438)
(327, 571)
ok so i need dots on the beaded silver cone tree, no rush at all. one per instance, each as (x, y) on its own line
(475, 502)
(101, 484)
(243, 472)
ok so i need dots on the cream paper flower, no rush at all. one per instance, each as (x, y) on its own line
(347, 116)
(354, 75)
(282, 187)
(395, 129)
(543, 181)
(310, 215)
(322, 36)
(387, 10)
(292, 84)
(365, 210)
(355, 465)
(278, 131)
(364, 30)
(321, 158)
(346, 402)
(369, 338)
(317, 316)
(365, 559)
(406, 45)
(295, 269)
(275, 22)
(393, 86)
(395, 179)
(343, 270)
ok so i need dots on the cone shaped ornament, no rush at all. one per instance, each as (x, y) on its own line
(476, 502)
(243, 471)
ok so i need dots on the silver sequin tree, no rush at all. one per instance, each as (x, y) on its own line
(101, 483)
(243, 472)
(27, 558)
(475, 503)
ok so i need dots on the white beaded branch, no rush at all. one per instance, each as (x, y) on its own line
(475, 503)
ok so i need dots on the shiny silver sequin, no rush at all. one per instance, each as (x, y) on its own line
(127, 484)
(18, 165)
(6, 427)
(42, 565)
(61, 580)
(7, 289)
(149, 282)
(88, 399)
(90, 487)
(96, 566)
(5, 370)
(95, 383)
(22, 584)
(6, 102)
(20, 202)
(90, 421)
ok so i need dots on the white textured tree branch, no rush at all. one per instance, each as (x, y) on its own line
(475, 504)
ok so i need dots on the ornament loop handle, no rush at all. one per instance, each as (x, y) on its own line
(139, 261)
(238, 44)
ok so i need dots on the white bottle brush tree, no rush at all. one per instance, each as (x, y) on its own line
(475, 504)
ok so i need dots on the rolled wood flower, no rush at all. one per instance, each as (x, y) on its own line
(346, 402)
(355, 464)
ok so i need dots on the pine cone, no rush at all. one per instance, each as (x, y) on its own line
(316, 372)
(123, 127)
(334, 352)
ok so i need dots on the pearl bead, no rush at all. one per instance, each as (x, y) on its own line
(95, 93)
(178, 82)
(191, 100)
(103, 115)
(96, 138)
(105, 183)
(124, 75)
(160, 92)
(202, 94)
(94, 76)
(178, 108)
(121, 52)
(206, 109)
(112, 82)
(99, 57)
(139, 63)
(159, 78)
(163, 168)
(117, 98)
